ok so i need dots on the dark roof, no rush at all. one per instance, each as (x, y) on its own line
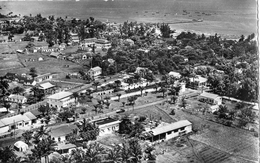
(104, 121)
(62, 130)
(36, 113)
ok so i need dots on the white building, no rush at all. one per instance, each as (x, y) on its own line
(3, 128)
(17, 98)
(21, 146)
(17, 122)
(94, 72)
(106, 125)
(168, 131)
(61, 99)
(211, 98)
(60, 133)
(175, 74)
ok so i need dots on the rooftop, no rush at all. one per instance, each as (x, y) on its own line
(19, 97)
(46, 85)
(65, 146)
(209, 95)
(175, 74)
(16, 118)
(170, 127)
(103, 121)
(30, 115)
(62, 130)
(97, 68)
(60, 95)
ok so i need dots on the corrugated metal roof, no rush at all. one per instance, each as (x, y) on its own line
(2, 124)
(170, 127)
(60, 95)
(46, 85)
(62, 130)
(209, 95)
(30, 115)
(15, 119)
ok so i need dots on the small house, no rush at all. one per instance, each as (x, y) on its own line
(168, 131)
(60, 133)
(211, 98)
(106, 125)
(21, 146)
(17, 98)
(94, 72)
(47, 87)
(18, 121)
(175, 74)
(43, 77)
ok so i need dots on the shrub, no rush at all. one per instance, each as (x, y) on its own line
(256, 134)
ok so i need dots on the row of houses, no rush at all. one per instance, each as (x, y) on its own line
(20, 121)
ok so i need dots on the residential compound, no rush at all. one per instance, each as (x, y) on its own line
(106, 125)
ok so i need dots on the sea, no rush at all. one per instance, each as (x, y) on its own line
(225, 17)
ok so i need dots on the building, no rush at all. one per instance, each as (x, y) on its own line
(47, 88)
(60, 100)
(65, 148)
(18, 121)
(60, 133)
(102, 43)
(23, 79)
(17, 98)
(55, 54)
(211, 98)
(43, 77)
(31, 116)
(89, 42)
(3, 128)
(21, 146)
(175, 74)
(168, 131)
(198, 81)
(94, 72)
(106, 125)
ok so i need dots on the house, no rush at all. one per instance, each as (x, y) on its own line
(43, 77)
(94, 72)
(175, 74)
(3, 128)
(23, 79)
(89, 42)
(62, 46)
(18, 121)
(60, 100)
(31, 116)
(142, 71)
(55, 54)
(129, 42)
(47, 87)
(168, 131)
(65, 148)
(198, 81)
(211, 98)
(17, 98)
(102, 43)
(106, 125)
(21, 146)
(100, 93)
(36, 113)
(60, 133)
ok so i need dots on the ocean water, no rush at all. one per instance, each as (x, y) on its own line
(234, 17)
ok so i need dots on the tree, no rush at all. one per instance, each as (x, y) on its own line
(18, 90)
(114, 155)
(118, 83)
(123, 103)
(84, 110)
(223, 111)
(166, 30)
(183, 102)
(37, 93)
(118, 95)
(135, 150)
(132, 99)
(6, 153)
(4, 85)
(41, 133)
(43, 149)
(27, 136)
(75, 95)
(163, 90)
(96, 84)
(33, 72)
(141, 89)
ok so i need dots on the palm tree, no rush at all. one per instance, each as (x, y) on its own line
(6, 153)
(43, 149)
(93, 153)
(141, 89)
(27, 136)
(4, 85)
(96, 84)
(163, 90)
(118, 95)
(114, 155)
(18, 90)
(75, 95)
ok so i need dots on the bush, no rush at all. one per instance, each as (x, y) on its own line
(256, 134)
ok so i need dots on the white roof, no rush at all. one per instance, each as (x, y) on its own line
(14, 96)
(46, 85)
(20, 144)
(14, 119)
(60, 95)
(199, 79)
(175, 74)
(209, 95)
(97, 68)
(170, 127)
